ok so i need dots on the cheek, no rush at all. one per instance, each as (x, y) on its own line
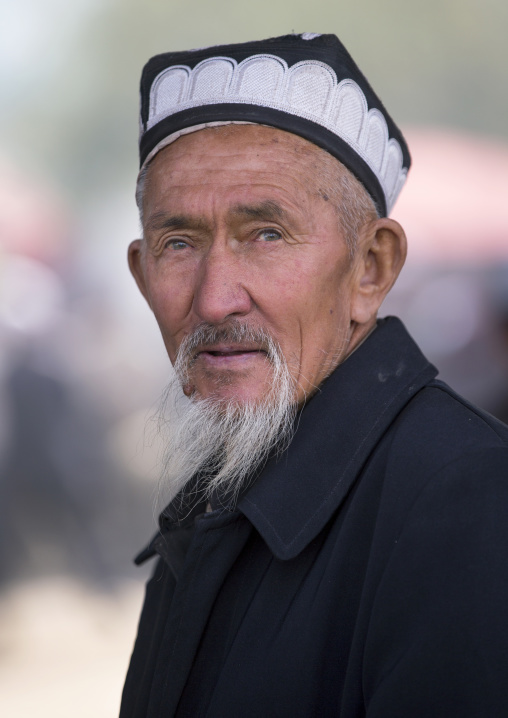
(324, 305)
(322, 291)
(170, 299)
(301, 302)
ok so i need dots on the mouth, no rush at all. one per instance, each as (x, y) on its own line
(229, 355)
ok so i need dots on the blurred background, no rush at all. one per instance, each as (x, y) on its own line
(81, 362)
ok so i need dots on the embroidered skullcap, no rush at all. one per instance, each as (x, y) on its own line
(306, 84)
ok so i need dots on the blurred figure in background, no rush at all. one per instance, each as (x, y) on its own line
(62, 493)
(498, 291)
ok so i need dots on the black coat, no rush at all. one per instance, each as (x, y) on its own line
(363, 574)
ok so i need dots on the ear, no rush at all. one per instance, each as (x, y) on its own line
(136, 265)
(382, 252)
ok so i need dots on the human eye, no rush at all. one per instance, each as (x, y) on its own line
(176, 244)
(269, 235)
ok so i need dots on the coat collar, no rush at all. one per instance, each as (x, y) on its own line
(296, 494)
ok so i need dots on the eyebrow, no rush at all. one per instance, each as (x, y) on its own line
(267, 210)
(163, 220)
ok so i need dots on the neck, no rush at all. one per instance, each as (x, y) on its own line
(359, 334)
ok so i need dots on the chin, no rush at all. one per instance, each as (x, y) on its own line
(231, 389)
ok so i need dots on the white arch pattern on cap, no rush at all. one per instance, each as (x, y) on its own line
(308, 89)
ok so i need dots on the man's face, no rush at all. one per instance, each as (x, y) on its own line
(236, 228)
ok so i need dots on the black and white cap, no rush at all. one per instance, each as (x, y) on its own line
(306, 84)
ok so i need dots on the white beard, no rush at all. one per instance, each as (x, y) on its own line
(224, 440)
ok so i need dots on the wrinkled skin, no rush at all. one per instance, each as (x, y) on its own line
(236, 227)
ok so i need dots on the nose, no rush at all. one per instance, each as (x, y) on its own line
(220, 292)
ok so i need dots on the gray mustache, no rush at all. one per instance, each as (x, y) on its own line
(233, 332)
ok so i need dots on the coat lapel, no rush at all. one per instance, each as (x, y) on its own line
(337, 431)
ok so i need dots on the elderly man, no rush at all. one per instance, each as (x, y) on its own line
(337, 536)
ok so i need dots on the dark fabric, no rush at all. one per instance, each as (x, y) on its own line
(363, 574)
(292, 49)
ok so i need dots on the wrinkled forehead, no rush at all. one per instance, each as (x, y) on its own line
(239, 166)
(260, 147)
